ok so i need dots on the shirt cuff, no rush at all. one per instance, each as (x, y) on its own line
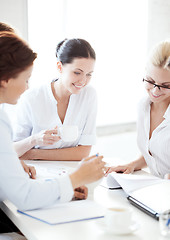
(87, 140)
(66, 188)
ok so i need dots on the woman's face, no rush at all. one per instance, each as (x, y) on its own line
(16, 86)
(160, 77)
(77, 75)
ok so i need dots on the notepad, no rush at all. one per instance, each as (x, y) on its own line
(67, 212)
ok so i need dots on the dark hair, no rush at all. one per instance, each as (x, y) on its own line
(6, 27)
(15, 55)
(68, 49)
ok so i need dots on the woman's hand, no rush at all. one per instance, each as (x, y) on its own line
(45, 137)
(29, 169)
(80, 193)
(126, 169)
(90, 170)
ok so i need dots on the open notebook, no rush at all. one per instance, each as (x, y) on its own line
(149, 193)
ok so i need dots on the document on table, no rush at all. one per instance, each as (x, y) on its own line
(46, 170)
(131, 182)
(67, 212)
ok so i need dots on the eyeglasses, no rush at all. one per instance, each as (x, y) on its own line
(150, 83)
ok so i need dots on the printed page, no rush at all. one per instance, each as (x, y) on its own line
(132, 182)
(67, 212)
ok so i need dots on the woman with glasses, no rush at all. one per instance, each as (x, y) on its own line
(153, 126)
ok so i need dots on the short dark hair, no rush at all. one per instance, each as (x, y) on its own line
(68, 49)
(15, 55)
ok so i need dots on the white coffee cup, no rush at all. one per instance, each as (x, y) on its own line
(68, 133)
(118, 219)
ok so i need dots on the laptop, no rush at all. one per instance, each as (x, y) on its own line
(152, 199)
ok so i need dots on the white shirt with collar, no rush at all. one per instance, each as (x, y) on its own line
(16, 185)
(37, 110)
(159, 143)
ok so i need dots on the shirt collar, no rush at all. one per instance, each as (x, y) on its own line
(167, 113)
(49, 89)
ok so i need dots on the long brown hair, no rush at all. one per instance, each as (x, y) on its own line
(15, 55)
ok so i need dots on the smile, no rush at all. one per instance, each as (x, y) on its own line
(79, 86)
(155, 95)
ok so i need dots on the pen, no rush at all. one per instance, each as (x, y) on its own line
(168, 222)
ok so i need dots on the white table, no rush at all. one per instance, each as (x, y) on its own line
(86, 230)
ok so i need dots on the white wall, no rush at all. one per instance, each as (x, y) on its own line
(158, 21)
(121, 32)
(116, 29)
(14, 12)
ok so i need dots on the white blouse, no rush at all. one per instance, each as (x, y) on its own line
(16, 185)
(159, 143)
(37, 110)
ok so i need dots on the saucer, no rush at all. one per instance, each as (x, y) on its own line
(128, 230)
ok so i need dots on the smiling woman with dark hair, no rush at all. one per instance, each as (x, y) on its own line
(16, 63)
(67, 100)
